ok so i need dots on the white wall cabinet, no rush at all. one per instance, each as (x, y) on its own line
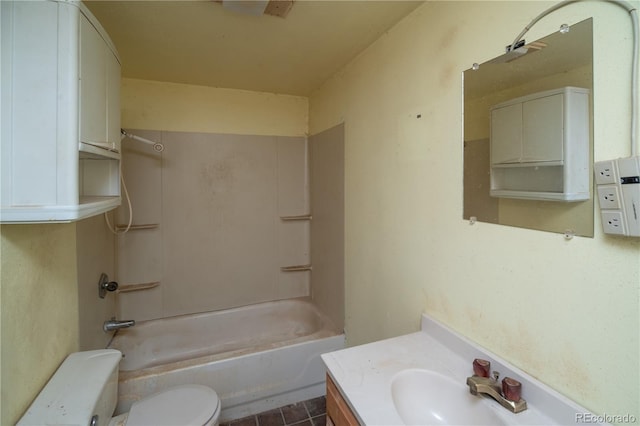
(540, 146)
(60, 148)
(99, 90)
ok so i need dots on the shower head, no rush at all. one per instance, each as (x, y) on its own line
(156, 145)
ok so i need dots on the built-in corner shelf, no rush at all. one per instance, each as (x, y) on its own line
(296, 268)
(121, 227)
(128, 288)
(300, 217)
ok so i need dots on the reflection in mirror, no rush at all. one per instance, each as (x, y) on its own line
(558, 60)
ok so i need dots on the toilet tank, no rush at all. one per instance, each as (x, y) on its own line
(85, 385)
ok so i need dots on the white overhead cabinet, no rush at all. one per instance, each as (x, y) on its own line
(540, 146)
(60, 154)
(99, 90)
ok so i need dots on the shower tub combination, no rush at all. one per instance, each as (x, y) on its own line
(256, 357)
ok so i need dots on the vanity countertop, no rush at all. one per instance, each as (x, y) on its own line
(364, 375)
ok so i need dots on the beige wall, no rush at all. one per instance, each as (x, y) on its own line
(217, 200)
(564, 311)
(39, 312)
(49, 302)
(95, 254)
(154, 105)
(326, 153)
(191, 115)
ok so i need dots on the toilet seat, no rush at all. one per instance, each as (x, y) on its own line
(181, 405)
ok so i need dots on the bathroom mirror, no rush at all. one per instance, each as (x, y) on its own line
(564, 58)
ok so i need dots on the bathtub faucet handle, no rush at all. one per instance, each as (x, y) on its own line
(105, 285)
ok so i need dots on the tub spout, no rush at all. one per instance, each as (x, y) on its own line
(114, 324)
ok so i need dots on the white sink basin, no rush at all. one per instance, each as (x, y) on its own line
(425, 397)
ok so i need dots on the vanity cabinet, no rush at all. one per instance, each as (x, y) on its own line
(338, 412)
(540, 146)
(60, 147)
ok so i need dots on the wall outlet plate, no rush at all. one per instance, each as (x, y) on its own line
(618, 189)
(609, 196)
(604, 172)
(613, 222)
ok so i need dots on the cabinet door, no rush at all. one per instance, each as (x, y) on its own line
(113, 100)
(338, 412)
(93, 86)
(542, 129)
(506, 134)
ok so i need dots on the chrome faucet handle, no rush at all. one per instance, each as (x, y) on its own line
(105, 285)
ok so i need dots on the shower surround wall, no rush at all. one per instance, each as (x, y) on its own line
(212, 237)
(326, 158)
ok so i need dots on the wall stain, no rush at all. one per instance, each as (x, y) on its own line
(573, 373)
(215, 179)
(439, 305)
(448, 37)
(447, 75)
(560, 367)
(449, 70)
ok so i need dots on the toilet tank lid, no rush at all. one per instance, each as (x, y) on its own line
(74, 390)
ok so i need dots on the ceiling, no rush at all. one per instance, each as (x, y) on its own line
(203, 43)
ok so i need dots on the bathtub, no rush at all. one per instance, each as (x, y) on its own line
(256, 357)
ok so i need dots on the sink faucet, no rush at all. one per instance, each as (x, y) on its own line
(114, 324)
(507, 394)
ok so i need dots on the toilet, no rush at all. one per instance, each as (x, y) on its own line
(84, 391)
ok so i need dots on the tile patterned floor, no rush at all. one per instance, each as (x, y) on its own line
(307, 413)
